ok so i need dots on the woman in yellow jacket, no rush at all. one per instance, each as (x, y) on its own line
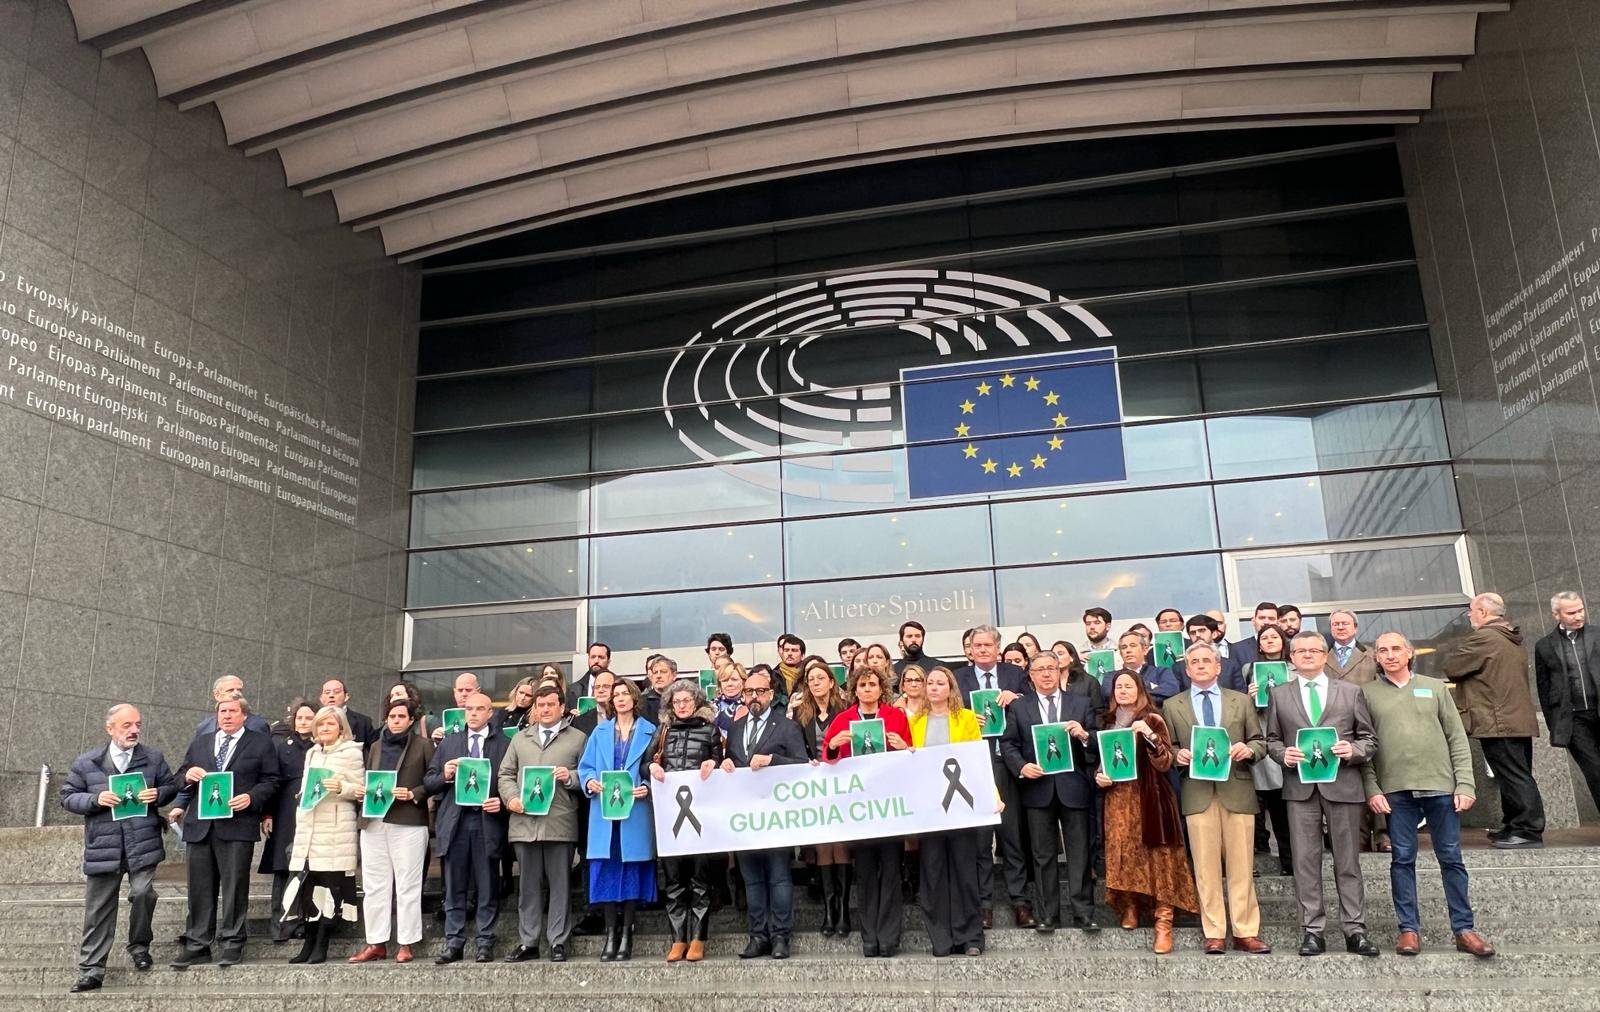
(949, 861)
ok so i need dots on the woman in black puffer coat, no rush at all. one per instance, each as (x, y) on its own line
(688, 740)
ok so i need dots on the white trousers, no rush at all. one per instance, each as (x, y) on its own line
(393, 859)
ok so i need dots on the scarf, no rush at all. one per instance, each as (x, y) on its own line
(1125, 716)
(390, 747)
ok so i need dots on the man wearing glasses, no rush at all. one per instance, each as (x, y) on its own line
(764, 737)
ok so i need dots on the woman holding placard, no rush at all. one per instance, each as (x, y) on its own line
(814, 710)
(1271, 668)
(689, 740)
(951, 901)
(394, 839)
(1146, 861)
(323, 857)
(621, 842)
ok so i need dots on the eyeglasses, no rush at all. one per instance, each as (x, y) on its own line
(1308, 650)
(758, 692)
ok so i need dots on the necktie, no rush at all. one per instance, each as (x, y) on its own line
(752, 731)
(1343, 653)
(1050, 702)
(1208, 714)
(222, 752)
(988, 679)
(1316, 702)
(545, 734)
(474, 751)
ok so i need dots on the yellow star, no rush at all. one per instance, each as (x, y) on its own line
(1055, 442)
(1051, 397)
(1038, 462)
(1031, 384)
(963, 429)
(966, 407)
(984, 388)
(1060, 420)
(970, 450)
(1007, 380)
(1014, 470)
(988, 467)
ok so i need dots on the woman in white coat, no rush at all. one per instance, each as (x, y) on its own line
(322, 859)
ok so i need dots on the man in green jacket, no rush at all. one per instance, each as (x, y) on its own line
(1422, 770)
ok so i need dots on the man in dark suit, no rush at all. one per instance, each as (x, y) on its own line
(912, 636)
(987, 671)
(1204, 629)
(469, 840)
(1312, 699)
(221, 689)
(219, 850)
(112, 848)
(761, 738)
(583, 685)
(1059, 804)
(336, 695)
(1161, 683)
(1566, 668)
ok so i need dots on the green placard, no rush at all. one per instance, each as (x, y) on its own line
(586, 703)
(1167, 648)
(1209, 759)
(1052, 748)
(472, 782)
(127, 787)
(1319, 765)
(616, 794)
(379, 796)
(1268, 675)
(538, 789)
(840, 673)
(1101, 663)
(991, 715)
(866, 737)
(216, 790)
(708, 681)
(313, 787)
(509, 731)
(454, 720)
(1118, 758)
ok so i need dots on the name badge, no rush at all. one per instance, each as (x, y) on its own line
(1422, 693)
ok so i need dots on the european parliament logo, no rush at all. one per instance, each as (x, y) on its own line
(1000, 425)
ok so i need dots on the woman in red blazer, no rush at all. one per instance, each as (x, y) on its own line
(876, 863)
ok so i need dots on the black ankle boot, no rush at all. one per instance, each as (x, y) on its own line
(830, 899)
(846, 873)
(613, 931)
(625, 945)
(323, 931)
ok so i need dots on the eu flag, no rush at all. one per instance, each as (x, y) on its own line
(1016, 423)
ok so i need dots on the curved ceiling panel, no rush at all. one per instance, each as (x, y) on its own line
(446, 122)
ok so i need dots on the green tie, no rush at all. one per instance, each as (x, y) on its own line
(1316, 703)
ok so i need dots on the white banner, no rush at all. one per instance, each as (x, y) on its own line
(926, 790)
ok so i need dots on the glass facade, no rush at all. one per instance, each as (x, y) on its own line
(632, 432)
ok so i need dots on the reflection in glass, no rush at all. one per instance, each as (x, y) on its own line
(1315, 577)
(525, 572)
(677, 624)
(1357, 435)
(872, 610)
(1049, 600)
(1338, 507)
(545, 510)
(511, 635)
(1098, 526)
(906, 542)
(726, 493)
(684, 560)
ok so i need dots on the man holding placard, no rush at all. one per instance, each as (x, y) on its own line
(1320, 729)
(1224, 740)
(114, 786)
(538, 782)
(469, 827)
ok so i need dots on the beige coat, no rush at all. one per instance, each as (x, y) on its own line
(560, 825)
(326, 838)
(1488, 669)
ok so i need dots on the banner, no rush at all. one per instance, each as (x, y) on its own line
(904, 793)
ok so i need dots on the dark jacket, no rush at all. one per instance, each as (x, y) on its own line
(361, 728)
(1552, 673)
(1230, 675)
(448, 815)
(815, 736)
(1011, 679)
(1161, 684)
(1079, 682)
(685, 744)
(411, 772)
(1488, 670)
(256, 772)
(1072, 790)
(780, 738)
(107, 842)
(292, 751)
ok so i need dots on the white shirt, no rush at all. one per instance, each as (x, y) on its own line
(216, 744)
(992, 674)
(1321, 682)
(121, 758)
(547, 734)
(1044, 705)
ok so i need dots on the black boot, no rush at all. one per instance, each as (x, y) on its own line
(846, 873)
(613, 931)
(910, 874)
(625, 945)
(323, 930)
(830, 899)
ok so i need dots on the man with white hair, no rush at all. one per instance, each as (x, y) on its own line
(226, 687)
(1490, 673)
(1565, 663)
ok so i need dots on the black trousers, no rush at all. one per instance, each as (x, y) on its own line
(469, 869)
(1585, 748)
(1521, 807)
(1274, 808)
(1013, 858)
(218, 869)
(950, 902)
(688, 896)
(879, 907)
(1049, 829)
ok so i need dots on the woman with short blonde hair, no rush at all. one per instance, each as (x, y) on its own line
(326, 834)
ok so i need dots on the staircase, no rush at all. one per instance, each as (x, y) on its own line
(1541, 909)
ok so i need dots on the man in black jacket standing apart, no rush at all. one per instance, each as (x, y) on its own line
(1566, 668)
(761, 738)
(336, 695)
(219, 850)
(113, 848)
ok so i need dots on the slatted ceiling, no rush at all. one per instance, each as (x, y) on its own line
(446, 122)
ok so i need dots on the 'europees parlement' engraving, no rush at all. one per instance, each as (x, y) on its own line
(68, 362)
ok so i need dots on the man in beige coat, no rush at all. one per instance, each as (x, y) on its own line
(1221, 814)
(544, 843)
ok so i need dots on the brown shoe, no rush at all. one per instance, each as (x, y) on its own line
(1163, 943)
(697, 951)
(370, 954)
(677, 952)
(988, 919)
(1130, 917)
(404, 954)
(1023, 915)
(1471, 941)
(1213, 947)
(1253, 944)
(1407, 943)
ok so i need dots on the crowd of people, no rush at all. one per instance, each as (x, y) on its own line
(1307, 743)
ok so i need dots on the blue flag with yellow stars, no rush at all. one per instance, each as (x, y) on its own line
(1017, 423)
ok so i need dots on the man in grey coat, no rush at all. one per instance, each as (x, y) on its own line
(115, 847)
(544, 843)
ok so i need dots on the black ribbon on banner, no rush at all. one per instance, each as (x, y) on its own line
(952, 774)
(685, 799)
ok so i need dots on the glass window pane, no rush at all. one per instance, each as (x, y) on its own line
(684, 560)
(435, 687)
(502, 397)
(1351, 575)
(1337, 507)
(909, 542)
(677, 624)
(524, 453)
(1050, 600)
(548, 509)
(1327, 371)
(547, 633)
(527, 572)
(1357, 435)
(871, 610)
(1098, 526)
(722, 493)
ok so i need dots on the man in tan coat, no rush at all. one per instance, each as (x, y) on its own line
(1488, 669)
(1348, 660)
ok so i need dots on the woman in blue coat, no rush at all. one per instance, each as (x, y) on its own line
(621, 853)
